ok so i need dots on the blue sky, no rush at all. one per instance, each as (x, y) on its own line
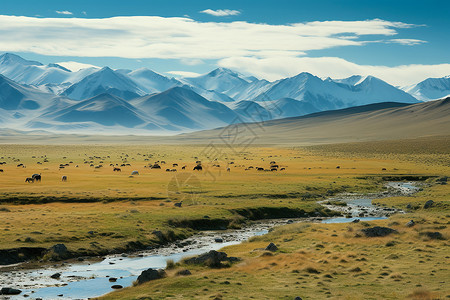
(413, 33)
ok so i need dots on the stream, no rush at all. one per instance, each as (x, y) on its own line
(82, 280)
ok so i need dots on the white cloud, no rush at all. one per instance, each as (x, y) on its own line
(270, 51)
(221, 12)
(408, 42)
(64, 12)
(75, 66)
(180, 38)
(183, 73)
(279, 67)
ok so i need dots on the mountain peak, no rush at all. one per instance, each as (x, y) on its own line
(9, 58)
(221, 70)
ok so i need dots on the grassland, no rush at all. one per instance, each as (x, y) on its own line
(124, 211)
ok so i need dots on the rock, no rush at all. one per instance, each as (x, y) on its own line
(355, 221)
(150, 274)
(10, 291)
(59, 249)
(117, 287)
(212, 259)
(410, 223)
(378, 231)
(298, 298)
(29, 240)
(409, 206)
(271, 247)
(185, 272)
(56, 276)
(290, 221)
(218, 240)
(112, 279)
(433, 235)
(428, 204)
(178, 204)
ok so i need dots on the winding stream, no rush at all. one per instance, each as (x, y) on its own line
(91, 279)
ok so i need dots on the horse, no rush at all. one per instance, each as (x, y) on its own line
(29, 180)
(64, 178)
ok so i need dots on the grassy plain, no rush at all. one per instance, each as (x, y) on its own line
(314, 260)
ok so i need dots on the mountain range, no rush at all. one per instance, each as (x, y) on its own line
(51, 97)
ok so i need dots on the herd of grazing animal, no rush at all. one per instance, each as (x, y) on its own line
(157, 165)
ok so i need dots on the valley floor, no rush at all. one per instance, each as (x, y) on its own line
(98, 211)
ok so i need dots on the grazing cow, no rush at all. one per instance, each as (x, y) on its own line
(36, 177)
(274, 166)
(338, 167)
(1, 170)
(156, 166)
(135, 173)
(167, 170)
(282, 169)
(183, 168)
(29, 180)
(273, 169)
(198, 168)
(174, 165)
(117, 170)
(163, 162)
(64, 178)
(259, 169)
(173, 170)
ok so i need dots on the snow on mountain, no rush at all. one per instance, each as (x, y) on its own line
(34, 73)
(152, 82)
(14, 96)
(102, 81)
(103, 109)
(329, 94)
(183, 108)
(430, 89)
(219, 80)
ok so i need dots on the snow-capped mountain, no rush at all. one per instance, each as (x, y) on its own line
(102, 81)
(430, 89)
(14, 96)
(33, 95)
(32, 72)
(150, 81)
(183, 108)
(329, 94)
(103, 109)
(220, 80)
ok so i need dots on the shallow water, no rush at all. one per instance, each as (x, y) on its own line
(84, 280)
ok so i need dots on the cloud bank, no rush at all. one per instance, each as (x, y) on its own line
(265, 50)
